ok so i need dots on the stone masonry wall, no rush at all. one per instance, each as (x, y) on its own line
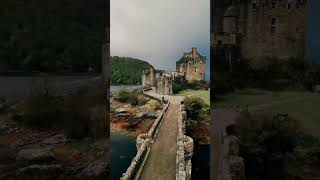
(143, 146)
(185, 148)
(288, 38)
(261, 28)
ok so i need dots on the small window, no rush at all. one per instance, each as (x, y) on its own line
(301, 2)
(220, 42)
(273, 4)
(289, 5)
(273, 25)
(254, 5)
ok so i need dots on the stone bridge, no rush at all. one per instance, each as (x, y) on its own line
(164, 153)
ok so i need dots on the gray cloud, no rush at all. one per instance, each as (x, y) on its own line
(159, 31)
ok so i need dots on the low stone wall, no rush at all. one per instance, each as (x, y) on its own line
(143, 146)
(185, 148)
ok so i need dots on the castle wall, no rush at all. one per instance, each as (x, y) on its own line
(263, 28)
(148, 78)
(195, 71)
(274, 32)
(164, 85)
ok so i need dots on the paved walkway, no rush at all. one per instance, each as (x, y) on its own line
(161, 163)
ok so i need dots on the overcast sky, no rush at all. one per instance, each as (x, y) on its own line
(159, 31)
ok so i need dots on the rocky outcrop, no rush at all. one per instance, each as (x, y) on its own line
(121, 112)
(32, 156)
(57, 139)
(146, 115)
(37, 170)
(96, 170)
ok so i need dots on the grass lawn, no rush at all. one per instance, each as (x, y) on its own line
(256, 97)
(203, 94)
(306, 110)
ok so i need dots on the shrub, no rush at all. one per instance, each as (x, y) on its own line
(221, 85)
(180, 84)
(158, 106)
(84, 114)
(194, 107)
(134, 98)
(269, 146)
(79, 115)
(142, 100)
(76, 120)
(43, 107)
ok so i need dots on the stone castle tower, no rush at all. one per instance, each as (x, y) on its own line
(148, 79)
(192, 65)
(256, 29)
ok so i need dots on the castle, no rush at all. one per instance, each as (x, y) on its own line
(191, 66)
(256, 29)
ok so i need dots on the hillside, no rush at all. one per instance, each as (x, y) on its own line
(127, 71)
(51, 35)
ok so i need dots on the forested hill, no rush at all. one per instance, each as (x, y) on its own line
(127, 71)
(51, 35)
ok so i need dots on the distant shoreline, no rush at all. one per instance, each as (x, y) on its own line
(22, 74)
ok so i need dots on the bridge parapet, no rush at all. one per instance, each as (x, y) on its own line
(143, 146)
(185, 148)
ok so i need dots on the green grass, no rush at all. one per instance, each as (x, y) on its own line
(306, 109)
(203, 94)
(256, 97)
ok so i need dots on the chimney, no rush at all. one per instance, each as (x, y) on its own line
(194, 52)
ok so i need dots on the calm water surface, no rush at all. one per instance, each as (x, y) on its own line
(123, 150)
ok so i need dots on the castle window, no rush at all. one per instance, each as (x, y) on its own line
(273, 4)
(273, 25)
(301, 2)
(254, 4)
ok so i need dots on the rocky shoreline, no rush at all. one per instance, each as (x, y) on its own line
(132, 120)
(28, 153)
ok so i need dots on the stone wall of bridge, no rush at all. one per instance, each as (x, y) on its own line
(143, 144)
(185, 148)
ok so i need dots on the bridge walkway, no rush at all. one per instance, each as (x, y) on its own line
(161, 163)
